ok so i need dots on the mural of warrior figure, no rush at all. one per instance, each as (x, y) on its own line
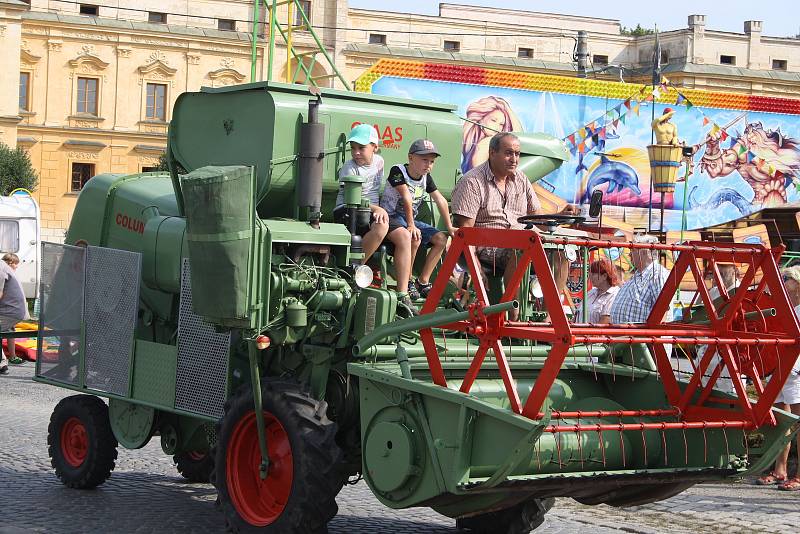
(755, 155)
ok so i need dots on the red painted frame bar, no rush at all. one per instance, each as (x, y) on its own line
(727, 328)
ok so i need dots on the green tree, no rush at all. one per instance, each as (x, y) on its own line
(16, 170)
(163, 166)
(638, 31)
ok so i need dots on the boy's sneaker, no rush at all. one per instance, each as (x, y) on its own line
(422, 289)
(405, 301)
(413, 293)
(4, 369)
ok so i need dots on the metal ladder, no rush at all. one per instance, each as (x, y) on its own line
(286, 32)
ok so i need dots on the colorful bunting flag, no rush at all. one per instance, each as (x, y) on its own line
(628, 103)
(723, 135)
(705, 120)
(680, 99)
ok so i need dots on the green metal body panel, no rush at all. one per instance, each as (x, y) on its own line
(154, 373)
(257, 124)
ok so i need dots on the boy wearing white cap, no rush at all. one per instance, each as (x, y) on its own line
(405, 188)
(367, 164)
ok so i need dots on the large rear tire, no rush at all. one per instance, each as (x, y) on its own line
(298, 496)
(520, 519)
(195, 466)
(80, 441)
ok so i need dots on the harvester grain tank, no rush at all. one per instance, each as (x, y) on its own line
(218, 308)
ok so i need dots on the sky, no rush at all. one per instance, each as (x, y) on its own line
(725, 16)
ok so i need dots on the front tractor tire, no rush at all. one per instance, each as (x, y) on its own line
(195, 466)
(80, 441)
(298, 495)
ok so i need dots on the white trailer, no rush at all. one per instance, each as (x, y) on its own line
(20, 234)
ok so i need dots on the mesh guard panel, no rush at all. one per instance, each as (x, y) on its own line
(202, 358)
(111, 304)
(61, 312)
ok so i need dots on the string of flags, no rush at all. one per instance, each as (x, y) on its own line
(594, 134)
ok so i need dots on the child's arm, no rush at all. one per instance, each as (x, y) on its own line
(408, 207)
(444, 211)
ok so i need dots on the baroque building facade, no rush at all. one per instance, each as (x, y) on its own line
(97, 81)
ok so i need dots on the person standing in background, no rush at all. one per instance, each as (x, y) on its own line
(13, 307)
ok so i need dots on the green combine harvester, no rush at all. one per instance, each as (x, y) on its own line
(217, 307)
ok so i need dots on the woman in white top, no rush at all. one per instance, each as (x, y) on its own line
(789, 398)
(605, 286)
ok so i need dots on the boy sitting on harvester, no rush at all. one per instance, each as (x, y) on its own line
(404, 192)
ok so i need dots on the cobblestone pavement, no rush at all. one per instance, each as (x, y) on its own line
(145, 493)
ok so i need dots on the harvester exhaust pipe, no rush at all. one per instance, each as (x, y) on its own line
(312, 155)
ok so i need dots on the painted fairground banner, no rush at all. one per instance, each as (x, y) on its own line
(747, 147)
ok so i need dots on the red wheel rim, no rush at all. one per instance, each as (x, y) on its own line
(74, 442)
(259, 502)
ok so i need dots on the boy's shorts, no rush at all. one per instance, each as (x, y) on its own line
(427, 231)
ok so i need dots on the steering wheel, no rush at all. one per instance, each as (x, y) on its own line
(551, 220)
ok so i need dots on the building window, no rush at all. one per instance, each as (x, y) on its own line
(227, 25)
(81, 172)
(88, 9)
(87, 96)
(452, 46)
(526, 53)
(598, 59)
(156, 18)
(779, 64)
(664, 57)
(305, 5)
(150, 169)
(727, 60)
(25, 91)
(377, 38)
(155, 108)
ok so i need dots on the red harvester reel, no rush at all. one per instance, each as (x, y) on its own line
(753, 330)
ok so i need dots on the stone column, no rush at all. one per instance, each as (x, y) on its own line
(755, 57)
(10, 42)
(697, 25)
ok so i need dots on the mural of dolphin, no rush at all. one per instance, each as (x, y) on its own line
(720, 197)
(617, 174)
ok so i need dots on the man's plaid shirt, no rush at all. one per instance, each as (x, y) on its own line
(638, 295)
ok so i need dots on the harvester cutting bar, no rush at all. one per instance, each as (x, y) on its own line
(753, 330)
(651, 340)
(558, 414)
(623, 427)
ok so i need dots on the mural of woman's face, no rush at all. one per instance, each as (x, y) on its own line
(493, 122)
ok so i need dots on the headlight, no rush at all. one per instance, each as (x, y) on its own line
(363, 276)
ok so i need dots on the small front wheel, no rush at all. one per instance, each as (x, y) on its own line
(80, 441)
(195, 466)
